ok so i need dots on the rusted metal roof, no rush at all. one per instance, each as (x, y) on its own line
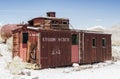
(50, 18)
(89, 31)
(33, 28)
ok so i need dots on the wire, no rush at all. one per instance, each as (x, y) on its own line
(71, 26)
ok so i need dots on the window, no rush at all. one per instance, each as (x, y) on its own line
(65, 22)
(93, 42)
(74, 39)
(24, 37)
(54, 22)
(103, 42)
(48, 15)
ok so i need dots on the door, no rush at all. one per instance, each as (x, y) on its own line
(75, 47)
(23, 46)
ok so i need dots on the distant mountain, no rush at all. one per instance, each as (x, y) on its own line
(115, 31)
(97, 28)
(116, 27)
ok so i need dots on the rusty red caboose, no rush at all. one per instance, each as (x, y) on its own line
(53, 44)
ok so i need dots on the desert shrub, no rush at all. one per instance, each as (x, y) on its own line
(16, 66)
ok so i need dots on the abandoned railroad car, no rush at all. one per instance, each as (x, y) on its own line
(48, 42)
(52, 48)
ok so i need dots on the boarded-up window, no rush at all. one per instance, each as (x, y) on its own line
(74, 39)
(103, 42)
(93, 42)
(25, 37)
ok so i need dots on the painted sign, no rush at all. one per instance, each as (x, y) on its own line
(50, 39)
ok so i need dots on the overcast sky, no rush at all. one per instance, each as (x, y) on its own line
(82, 13)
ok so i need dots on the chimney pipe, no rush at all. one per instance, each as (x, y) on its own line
(51, 14)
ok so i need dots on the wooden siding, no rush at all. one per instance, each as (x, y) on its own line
(55, 48)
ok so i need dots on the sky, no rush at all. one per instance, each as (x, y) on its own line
(81, 13)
